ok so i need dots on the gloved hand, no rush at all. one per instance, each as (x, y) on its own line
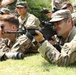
(29, 36)
(3, 57)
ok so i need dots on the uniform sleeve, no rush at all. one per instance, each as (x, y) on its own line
(4, 45)
(22, 44)
(49, 52)
(66, 57)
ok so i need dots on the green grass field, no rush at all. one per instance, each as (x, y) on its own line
(34, 64)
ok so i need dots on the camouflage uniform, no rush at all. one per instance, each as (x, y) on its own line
(22, 44)
(67, 55)
(31, 22)
(72, 33)
(68, 51)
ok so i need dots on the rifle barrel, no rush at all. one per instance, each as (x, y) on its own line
(14, 32)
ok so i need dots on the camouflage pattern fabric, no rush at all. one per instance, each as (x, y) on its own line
(23, 45)
(3, 45)
(31, 22)
(3, 48)
(68, 51)
(69, 38)
(66, 57)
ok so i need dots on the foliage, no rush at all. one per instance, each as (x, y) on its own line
(36, 5)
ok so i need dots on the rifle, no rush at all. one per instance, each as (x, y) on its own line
(47, 31)
(31, 31)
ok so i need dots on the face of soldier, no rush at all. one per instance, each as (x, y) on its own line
(21, 11)
(70, 8)
(7, 27)
(61, 28)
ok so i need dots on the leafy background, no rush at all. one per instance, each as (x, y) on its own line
(35, 7)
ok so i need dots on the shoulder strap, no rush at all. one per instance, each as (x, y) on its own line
(22, 25)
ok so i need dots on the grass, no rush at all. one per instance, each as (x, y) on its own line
(34, 64)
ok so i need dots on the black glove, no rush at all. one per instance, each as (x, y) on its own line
(29, 36)
(3, 57)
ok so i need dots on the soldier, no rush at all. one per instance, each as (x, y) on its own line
(28, 20)
(68, 6)
(12, 42)
(62, 21)
(56, 4)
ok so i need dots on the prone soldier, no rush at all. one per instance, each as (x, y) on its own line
(12, 42)
(65, 29)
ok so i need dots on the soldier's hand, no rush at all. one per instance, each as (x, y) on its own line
(29, 36)
(39, 37)
(53, 41)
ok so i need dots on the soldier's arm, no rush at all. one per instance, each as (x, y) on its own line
(66, 57)
(4, 45)
(50, 53)
(22, 44)
(6, 2)
(47, 50)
